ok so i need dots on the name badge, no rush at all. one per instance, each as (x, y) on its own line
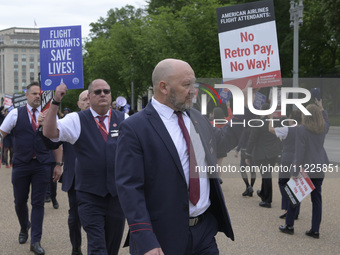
(114, 133)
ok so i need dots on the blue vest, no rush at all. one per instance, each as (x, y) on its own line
(288, 147)
(26, 141)
(95, 167)
(69, 158)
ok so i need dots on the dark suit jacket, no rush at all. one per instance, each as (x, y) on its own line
(309, 151)
(262, 144)
(151, 184)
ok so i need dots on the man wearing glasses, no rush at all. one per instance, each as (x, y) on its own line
(94, 134)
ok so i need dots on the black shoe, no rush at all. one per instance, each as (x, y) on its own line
(287, 229)
(37, 249)
(283, 216)
(47, 199)
(313, 234)
(55, 204)
(250, 191)
(76, 251)
(220, 180)
(246, 192)
(265, 204)
(23, 235)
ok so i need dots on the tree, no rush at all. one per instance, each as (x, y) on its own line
(125, 46)
(110, 51)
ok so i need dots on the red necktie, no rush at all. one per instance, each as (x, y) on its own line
(33, 123)
(194, 182)
(34, 127)
(101, 128)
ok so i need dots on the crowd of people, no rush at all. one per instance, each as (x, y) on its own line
(141, 168)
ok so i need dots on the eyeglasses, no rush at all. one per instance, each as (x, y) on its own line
(99, 91)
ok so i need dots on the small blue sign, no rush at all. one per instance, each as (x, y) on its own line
(224, 95)
(126, 108)
(61, 59)
(260, 99)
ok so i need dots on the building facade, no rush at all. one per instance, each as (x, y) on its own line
(19, 59)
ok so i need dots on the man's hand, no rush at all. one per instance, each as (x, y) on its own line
(245, 93)
(294, 177)
(41, 118)
(319, 103)
(156, 251)
(56, 173)
(60, 92)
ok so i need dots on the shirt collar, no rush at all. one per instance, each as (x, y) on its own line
(96, 114)
(30, 108)
(163, 109)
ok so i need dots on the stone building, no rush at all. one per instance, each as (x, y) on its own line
(19, 59)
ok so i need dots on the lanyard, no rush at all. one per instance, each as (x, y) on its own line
(32, 118)
(101, 126)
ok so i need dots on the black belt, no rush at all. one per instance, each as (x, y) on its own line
(193, 221)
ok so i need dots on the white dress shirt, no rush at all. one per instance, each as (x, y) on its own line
(281, 132)
(69, 127)
(11, 119)
(170, 121)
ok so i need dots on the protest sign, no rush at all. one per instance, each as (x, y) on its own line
(260, 99)
(19, 100)
(297, 189)
(224, 95)
(46, 99)
(8, 101)
(248, 44)
(61, 57)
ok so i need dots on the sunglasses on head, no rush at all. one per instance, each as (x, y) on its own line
(99, 91)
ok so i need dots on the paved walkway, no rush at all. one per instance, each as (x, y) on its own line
(256, 228)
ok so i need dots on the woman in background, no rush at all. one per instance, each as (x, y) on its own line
(309, 152)
(288, 137)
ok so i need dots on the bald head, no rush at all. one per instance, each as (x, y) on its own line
(83, 94)
(83, 101)
(165, 69)
(173, 80)
(96, 82)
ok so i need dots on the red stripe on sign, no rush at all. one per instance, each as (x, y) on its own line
(308, 180)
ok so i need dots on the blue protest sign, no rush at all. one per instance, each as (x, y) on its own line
(224, 95)
(260, 99)
(126, 108)
(61, 59)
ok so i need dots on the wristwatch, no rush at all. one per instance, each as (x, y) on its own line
(59, 163)
(55, 102)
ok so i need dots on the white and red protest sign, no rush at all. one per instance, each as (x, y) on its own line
(298, 188)
(248, 44)
(8, 101)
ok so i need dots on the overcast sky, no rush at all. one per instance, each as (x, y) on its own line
(46, 13)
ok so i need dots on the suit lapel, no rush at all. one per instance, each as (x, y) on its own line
(206, 139)
(161, 130)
